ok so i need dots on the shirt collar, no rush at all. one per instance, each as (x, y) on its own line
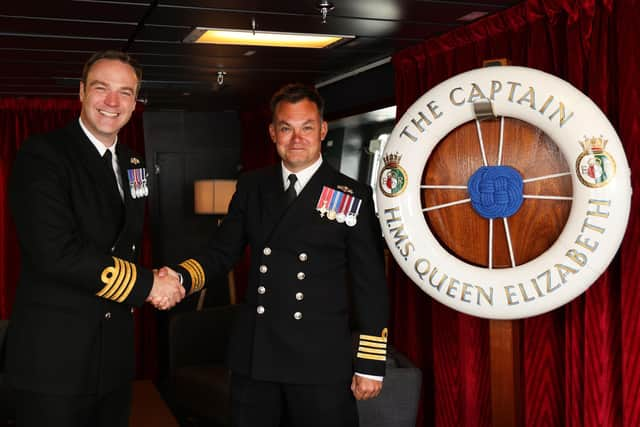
(303, 176)
(97, 143)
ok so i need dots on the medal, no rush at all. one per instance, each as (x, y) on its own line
(352, 218)
(331, 214)
(323, 201)
(344, 208)
(137, 183)
(145, 188)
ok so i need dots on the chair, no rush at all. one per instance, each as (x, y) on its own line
(397, 404)
(199, 381)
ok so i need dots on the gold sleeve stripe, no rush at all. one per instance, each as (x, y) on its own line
(373, 344)
(117, 283)
(132, 282)
(371, 357)
(196, 272)
(195, 277)
(372, 338)
(119, 280)
(199, 272)
(372, 350)
(127, 276)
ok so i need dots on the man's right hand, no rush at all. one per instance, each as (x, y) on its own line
(166, 291)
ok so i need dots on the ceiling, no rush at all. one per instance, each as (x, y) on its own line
(43, 44)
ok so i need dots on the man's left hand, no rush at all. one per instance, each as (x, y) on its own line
(365, 388)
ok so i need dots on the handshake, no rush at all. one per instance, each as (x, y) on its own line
(167, 290)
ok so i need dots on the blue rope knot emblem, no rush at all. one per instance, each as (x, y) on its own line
(496, 191)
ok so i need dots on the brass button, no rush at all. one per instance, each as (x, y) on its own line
(260, 309)
(303, 257)
(262, 290)
(267, 251)
(107, 315)
(299, 296)
(133, 247)
(300, 276)
(263, 269)
(297, 315)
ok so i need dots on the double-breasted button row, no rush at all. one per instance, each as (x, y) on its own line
(133, 248)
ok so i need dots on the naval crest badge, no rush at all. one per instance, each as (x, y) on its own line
(393, 177)
(595, 167)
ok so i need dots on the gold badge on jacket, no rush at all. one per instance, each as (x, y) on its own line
(341, 206)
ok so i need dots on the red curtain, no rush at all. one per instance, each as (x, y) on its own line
(20, 118)
(581, 363)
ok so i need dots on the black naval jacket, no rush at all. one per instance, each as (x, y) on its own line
(71, 329)
(294, 326)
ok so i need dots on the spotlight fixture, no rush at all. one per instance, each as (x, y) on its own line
(325, 6)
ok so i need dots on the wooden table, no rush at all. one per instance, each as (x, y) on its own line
(148, 408)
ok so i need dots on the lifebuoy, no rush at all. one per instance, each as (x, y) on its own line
(599, 212)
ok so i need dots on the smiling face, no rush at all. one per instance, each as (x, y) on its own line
(298, 131)
(108, 98)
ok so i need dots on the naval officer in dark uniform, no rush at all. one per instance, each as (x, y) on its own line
(78, 198)
(316, 251)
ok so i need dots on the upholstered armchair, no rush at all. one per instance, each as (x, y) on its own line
(198, 384)
(397, 404)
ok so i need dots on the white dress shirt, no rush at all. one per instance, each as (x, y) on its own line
(303, 176)
(103, 149)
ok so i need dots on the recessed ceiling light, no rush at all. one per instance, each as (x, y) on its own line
(263, 38)
(472, 16)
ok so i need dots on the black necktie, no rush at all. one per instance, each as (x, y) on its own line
(106, 157)
(290, 194)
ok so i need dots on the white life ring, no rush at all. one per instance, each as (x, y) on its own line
(601, 193)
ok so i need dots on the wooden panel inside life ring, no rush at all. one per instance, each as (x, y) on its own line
(538, 222)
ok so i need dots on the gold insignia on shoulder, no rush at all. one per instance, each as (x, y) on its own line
(196, 272)
(345, 189)
(135, 161)
(372, 347)
(119, 280)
